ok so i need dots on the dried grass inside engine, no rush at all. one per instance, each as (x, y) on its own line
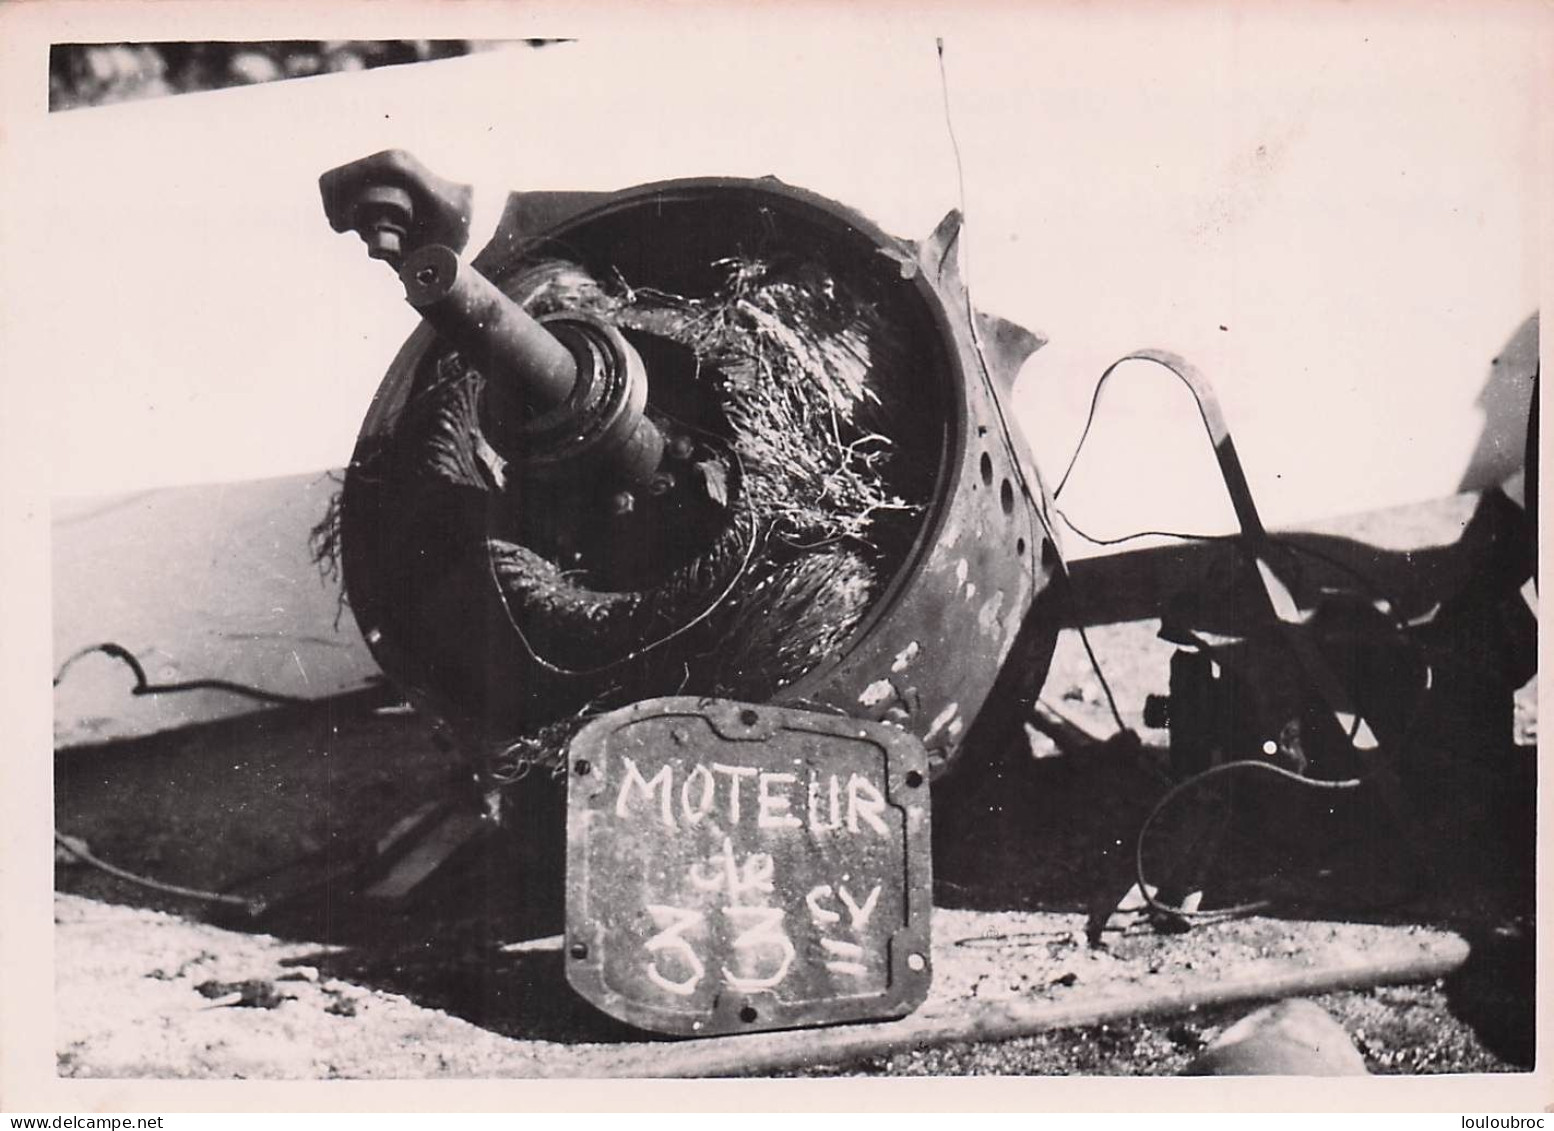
(807, 440)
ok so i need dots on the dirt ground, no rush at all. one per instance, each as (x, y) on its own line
(327, 985)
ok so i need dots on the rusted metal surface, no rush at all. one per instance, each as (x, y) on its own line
(493, 332)
(566, 397)
(967, 622)
(418, 222)
(735, 867)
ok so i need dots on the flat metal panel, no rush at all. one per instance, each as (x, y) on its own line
(734, 867)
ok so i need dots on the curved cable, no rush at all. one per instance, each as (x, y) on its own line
(79, 850)
(1192, 783)
(1359, 576)
(144, 686)
(1179, 368)
(638, 653)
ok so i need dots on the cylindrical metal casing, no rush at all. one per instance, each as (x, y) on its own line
(956, 645)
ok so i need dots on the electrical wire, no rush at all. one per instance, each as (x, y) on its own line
(638, 653)
(1222, 913)
(1197, 780)
(1006, 432)
(1137, 534)
(1358, 576)
(144, 686)
(1366, 582)
(79, 850)
(1084, 433)
(1006, 435)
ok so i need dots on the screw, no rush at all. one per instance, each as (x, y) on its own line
(581, 767)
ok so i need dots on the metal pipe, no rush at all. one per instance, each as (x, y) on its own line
(761, 1053)
(524, 365)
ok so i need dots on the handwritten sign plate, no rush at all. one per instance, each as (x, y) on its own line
(734, 867)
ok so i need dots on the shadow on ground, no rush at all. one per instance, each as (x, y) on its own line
(289, 803)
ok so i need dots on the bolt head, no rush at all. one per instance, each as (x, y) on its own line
(384, 242)
(382, 217)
